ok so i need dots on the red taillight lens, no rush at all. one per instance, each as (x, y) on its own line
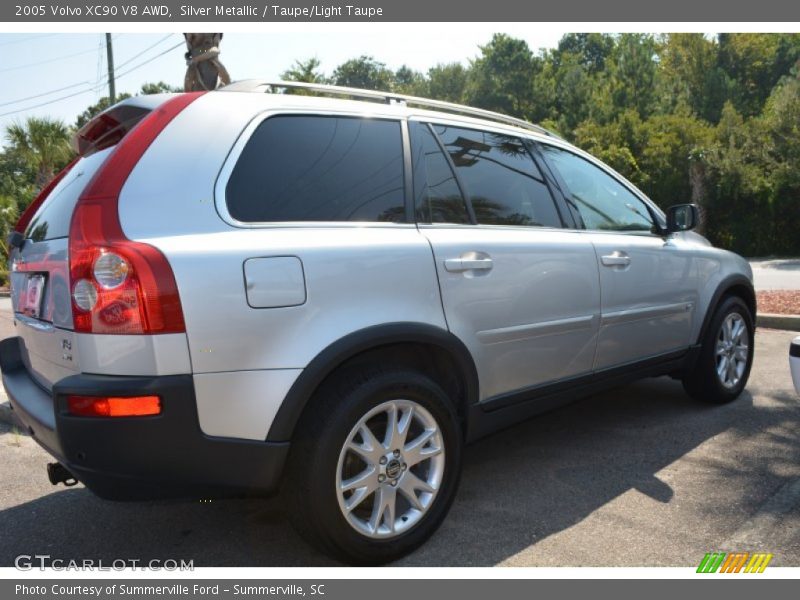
(114, 406)
(146, 300)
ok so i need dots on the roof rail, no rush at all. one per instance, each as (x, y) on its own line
(253, 85)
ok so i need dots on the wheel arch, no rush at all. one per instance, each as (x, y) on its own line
(376, 341)
(733, 285)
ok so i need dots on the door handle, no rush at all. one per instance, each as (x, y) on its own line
(616, 259)
(457, 265)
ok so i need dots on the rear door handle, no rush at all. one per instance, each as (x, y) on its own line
(458, 265)
(616, 259)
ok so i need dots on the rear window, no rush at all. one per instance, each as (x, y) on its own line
(52, 219)
(319, 168)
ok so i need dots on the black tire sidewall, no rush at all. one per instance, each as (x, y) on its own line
(706, 380)
(332, 528)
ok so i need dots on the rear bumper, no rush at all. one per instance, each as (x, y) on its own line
(138, 457)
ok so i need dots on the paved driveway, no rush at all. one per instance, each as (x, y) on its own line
(782, 274)
(638, 476)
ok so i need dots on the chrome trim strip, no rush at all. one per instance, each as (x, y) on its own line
(648, 312)
(534, 330)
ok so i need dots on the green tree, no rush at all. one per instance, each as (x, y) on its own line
(634, 73)
(43, 144)
(501, 78)
(592, 49)
(755, 63)
(693, 76)
(447, 82)
(305, 71)
(409, 81)
(364, 72)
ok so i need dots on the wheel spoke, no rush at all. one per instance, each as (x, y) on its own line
(406, 488)
(722, 368)
(363, 479)
(412, 482)
(738, 330)
(731, 375)
(741, 352)
(398, 422)
(370, 449)
(391, 426)
(415, 451)
(357, 498)
(383, 510)
(728, 330)
(720, 348)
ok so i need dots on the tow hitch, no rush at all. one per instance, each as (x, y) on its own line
(58, 473)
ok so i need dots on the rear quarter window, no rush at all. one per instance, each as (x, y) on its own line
(53, 218)
(319, 168)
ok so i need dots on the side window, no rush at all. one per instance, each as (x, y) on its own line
(601, 201)
(503, 183)
(319, 168)
(437, 197)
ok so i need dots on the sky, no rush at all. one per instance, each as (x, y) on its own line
(75, 63)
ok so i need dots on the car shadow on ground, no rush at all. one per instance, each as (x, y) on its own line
(519, 487)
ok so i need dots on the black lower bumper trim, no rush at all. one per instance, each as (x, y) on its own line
(166, 455)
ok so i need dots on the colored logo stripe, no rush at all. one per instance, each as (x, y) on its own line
(734, 562)
(758, 563)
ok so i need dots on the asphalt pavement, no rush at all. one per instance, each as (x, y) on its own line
(640, 476)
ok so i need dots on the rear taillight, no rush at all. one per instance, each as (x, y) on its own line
(113, 406)
(120, 286)
(27, 215)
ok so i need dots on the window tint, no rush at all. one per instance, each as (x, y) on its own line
(503, 183)
(437, 197)
(599, 199)
(314, 168)
(53, 218)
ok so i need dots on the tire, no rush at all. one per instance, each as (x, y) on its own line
(704, 382)
(318, 466)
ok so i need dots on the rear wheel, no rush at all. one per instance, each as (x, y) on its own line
(374, 466)
(726, 355)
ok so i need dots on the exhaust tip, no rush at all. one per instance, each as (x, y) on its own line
(58, 473)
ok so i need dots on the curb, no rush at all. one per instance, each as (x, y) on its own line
(8, 417)
(776, 321)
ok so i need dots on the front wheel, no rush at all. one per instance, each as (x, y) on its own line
(726, 355)
(374, 466)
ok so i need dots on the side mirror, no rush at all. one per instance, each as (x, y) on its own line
(682, 217)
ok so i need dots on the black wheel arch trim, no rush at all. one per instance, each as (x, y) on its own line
(725, 286)
(363, 340)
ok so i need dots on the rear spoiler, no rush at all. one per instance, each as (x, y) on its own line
(113, 124)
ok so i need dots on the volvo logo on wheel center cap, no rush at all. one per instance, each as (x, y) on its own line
(393, 468)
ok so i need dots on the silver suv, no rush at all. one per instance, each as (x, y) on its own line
(247, 291)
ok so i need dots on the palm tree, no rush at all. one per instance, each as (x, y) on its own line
(43, 144)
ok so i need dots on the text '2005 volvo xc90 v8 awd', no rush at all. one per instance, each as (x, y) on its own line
(248, 292)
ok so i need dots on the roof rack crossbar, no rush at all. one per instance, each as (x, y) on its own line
(251, 85)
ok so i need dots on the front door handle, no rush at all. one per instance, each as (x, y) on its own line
(616, 259)
(458, 265)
